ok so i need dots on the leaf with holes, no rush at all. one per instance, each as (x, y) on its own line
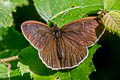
(65, 11)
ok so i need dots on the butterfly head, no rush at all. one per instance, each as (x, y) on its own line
(56, 31)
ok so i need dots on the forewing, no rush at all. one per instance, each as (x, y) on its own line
(72, 53)
(84, 31)
(41, 37)
(37, 33)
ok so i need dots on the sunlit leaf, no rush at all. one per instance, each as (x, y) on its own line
(111, 4)
(23, 68)
(3, 71)
(65, 11)
(6, 8)
(111, 20)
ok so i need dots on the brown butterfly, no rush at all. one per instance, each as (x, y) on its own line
(63, 48)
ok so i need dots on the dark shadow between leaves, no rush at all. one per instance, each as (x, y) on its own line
(25, 13)
(106, 59)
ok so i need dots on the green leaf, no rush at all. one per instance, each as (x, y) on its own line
(3, 70)
(6, 9)
(67, 10)
(13, 40)
(29, 57)
(111, 20)
(2, 32)
(19, 3)
(15, 74)
(111, 5)
(4, 67)
(8, 53)
(23, 68)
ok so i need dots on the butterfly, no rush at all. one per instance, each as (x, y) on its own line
(63, 48)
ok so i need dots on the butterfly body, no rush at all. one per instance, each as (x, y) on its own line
(63, 48)
(57, 34)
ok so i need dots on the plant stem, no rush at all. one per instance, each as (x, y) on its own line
(8, 59)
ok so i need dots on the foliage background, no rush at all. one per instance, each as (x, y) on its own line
(105, 65)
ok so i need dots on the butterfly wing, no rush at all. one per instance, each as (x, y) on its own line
(49, 55)
(76, 38)
(84, 31)
(72, 53)
(41, 37)
(37, 33)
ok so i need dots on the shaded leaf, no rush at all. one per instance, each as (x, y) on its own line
(2, 32)
(8, 53)
(111, 20)
(13, 40)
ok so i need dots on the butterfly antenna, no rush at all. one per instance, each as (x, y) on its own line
(45, 17)
(62, 16)
(49, 20)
